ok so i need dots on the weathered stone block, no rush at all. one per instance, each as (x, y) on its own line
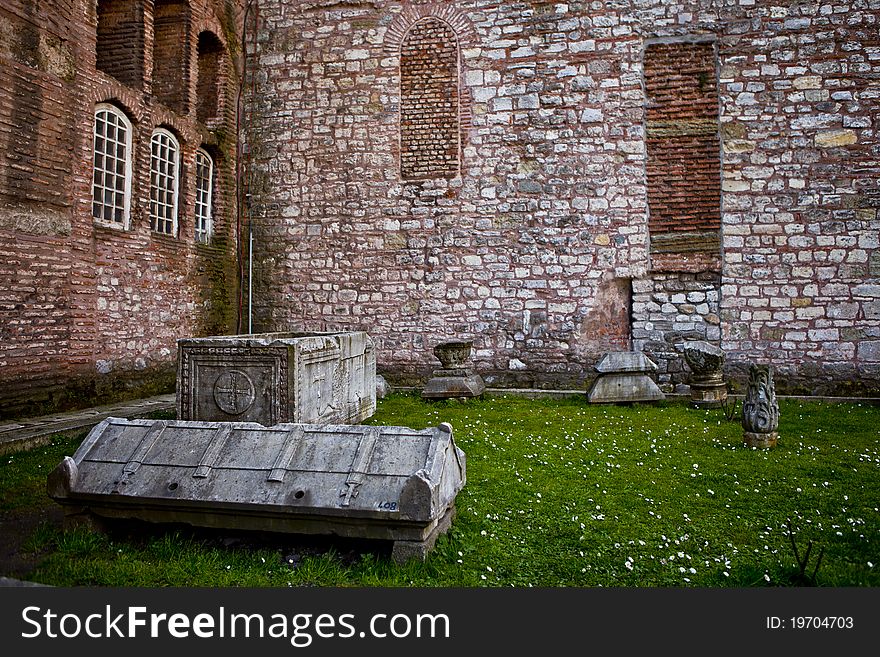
(277, 377)
(833, 138)
(387, 483)
(623, 378)
(625, 361)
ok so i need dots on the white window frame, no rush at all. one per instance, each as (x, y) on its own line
(204, 208)
(165, 138)
(121, 118)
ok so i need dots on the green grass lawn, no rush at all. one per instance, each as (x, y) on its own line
(559, 493)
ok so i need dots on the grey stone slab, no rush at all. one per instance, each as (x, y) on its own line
(17, 583)
(454, 387)
(29, 433)
(380, 482)
(277, 377)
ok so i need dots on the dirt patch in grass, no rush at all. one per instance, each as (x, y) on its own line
(29, 539)
(18, 559)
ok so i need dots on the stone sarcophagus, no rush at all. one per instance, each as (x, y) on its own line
(374, 482)
(272, 378)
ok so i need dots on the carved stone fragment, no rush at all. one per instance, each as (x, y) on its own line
(623, 378)
(760, 411)
(706, 360)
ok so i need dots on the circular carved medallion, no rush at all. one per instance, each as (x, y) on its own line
(234, 392)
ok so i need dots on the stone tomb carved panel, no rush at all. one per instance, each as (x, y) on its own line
(277, 377)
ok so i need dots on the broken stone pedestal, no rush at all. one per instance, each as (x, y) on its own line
(760, 410)
(277, 377)
(387, 483)
(454, 379)
(623, 378)
(708, 389)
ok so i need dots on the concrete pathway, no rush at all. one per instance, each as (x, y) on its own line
(17, 435)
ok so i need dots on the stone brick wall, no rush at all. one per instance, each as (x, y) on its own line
(540, 235)
(799, 113)
(172, 28)
(211, 78)
(543, 238)
(89, 312)
(669, 309)
(520, 251)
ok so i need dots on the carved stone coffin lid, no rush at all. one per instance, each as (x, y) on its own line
(351, 472)
(625, 361)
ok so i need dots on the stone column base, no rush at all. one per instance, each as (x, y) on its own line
(708, 396)
(760, 440)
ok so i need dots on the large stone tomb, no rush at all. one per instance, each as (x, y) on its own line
(277, 377)
(623, 378)
(386, 483)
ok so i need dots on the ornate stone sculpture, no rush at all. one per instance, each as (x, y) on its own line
(453, 355)
(706, 360)
(760, 412)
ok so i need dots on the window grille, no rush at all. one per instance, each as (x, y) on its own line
(111, 173)
(204, 189)
(164, 159)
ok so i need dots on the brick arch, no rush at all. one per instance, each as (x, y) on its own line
(411, 14)
(464, 32)
(126, 100)
(186, 133)
(213, 26)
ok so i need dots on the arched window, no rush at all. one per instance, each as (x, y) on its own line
(111, 167)
(429, 102)
(120, 41)
(204, 201)
(210, 80)
(164, 176)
